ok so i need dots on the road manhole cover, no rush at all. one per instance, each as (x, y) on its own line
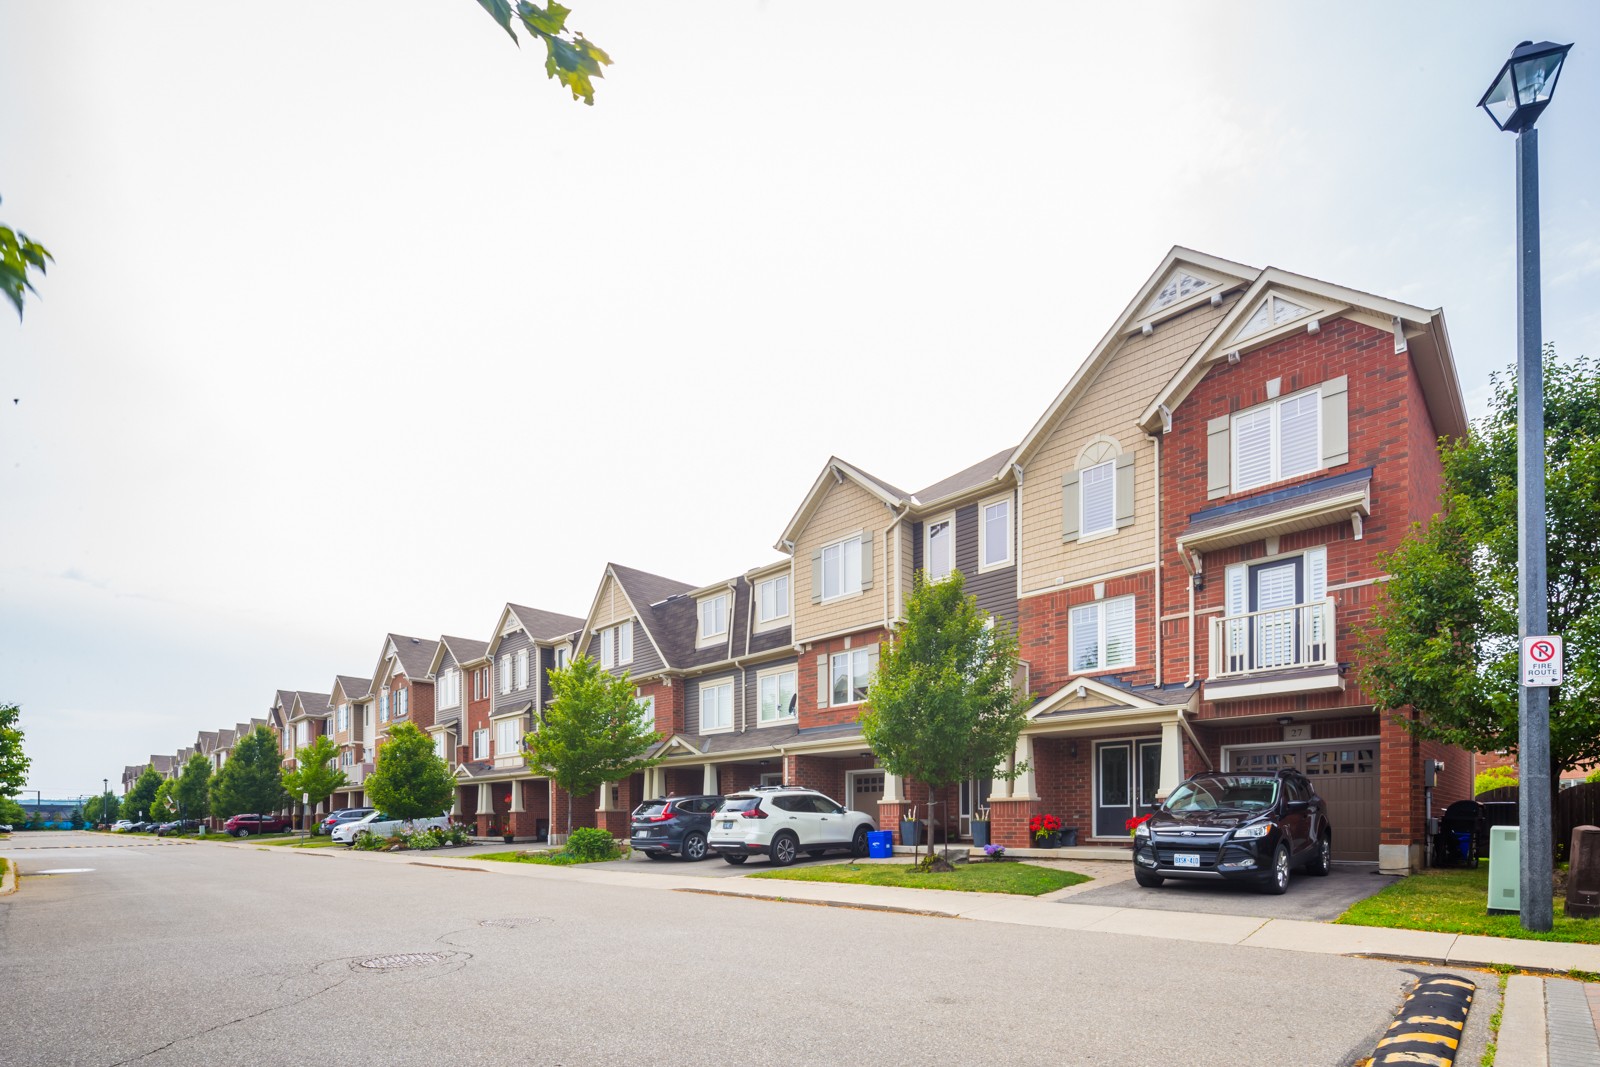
(400, 961)
(513, 924)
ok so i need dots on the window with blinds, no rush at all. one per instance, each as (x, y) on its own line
(1102, 635)
(1277, 440)
(1098, 484)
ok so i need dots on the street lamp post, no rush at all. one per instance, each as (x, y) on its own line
(105, 791)
(1520, 91)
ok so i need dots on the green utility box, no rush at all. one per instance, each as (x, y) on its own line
(1505, 870)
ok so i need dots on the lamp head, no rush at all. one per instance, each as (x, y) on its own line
(1524, 85)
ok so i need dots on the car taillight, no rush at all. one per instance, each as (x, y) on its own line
(665, 814)
(753, 813)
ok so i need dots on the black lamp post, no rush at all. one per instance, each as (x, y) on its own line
(1520, 91)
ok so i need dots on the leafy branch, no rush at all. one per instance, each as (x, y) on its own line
(17, 254)
(570, 57)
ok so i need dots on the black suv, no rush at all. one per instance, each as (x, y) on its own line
(1235, 827)
(674, 825)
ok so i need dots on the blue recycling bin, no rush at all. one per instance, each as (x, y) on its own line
(880, 844)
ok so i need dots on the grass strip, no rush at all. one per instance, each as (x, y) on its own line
(1455, 901)
(1021, 879)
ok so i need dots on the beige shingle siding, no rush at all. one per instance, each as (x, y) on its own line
(1110, 407)
(846, 509)
(613, 605)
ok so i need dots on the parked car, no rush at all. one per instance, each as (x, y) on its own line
(780, 822)
(178, 826)
(5, 828)
(122, 826)
(245, 825)
(674, 826)
(343, 815)
(382, 825)
(1250, 828)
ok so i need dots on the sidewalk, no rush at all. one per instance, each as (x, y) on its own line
(1549, 1022)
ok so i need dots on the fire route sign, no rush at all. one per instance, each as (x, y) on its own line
(1541, 661)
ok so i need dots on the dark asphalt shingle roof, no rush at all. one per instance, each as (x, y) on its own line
(982, 471)
(464, 649)
(542, 625)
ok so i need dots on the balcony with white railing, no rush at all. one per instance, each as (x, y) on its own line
(356, 773)
(1279, 650)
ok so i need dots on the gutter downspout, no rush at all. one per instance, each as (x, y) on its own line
(1156, 437)
(899, 517)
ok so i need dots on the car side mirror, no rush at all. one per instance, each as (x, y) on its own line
(840, 810)
(1298, 805)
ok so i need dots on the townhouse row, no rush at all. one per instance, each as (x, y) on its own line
(1187, 542)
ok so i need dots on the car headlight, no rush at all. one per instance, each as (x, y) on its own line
(1248, 833)
(1142, 830)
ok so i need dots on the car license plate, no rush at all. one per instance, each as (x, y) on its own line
(1186, 859)
(727, 824)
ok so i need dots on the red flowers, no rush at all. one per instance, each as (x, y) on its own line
(1040, 825)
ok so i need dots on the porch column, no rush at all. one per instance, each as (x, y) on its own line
(455, 803)
(1000, 788)
(1171, 759)
(516, 798)
(485, 799)
(604, 797)
(893, 791)
(709, 782)
(1022, 787)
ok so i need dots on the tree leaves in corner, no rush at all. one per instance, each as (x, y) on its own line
(570, 57)
(17, 254)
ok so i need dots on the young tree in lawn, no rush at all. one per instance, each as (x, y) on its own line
(13, 764)
(1444, 635)
(193, 791)
(164, 805)
(97, 811)
(411, 781)
(593, 732)
(251, 782)
(314, 777)
(143, 794)
(942, 708)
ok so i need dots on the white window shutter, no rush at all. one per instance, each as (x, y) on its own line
(1217, 454)
(1125, 490)
(824, 683)
(866, 560)
(1236, 582)
(1316, 575)
(1069, 506)
(816, 576)
(1336, 421)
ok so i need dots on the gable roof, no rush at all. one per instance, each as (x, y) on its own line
(1422, 331)
(413, 654)
(461, 650)
(835, 471)
(1226, 274)
(311, 705)
(350, 686)
(537, 623)
(990, 469)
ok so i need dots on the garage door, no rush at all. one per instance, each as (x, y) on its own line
(1344, 774)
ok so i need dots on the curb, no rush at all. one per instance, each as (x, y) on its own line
(9, 882)
(776, 898)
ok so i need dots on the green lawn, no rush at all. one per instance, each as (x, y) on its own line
(1024, 879)
(556, 858)
(1454, 901)
(297, 842)
(2, 868)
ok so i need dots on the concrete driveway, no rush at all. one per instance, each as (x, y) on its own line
(1309, 897)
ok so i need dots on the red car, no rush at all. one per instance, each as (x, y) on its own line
(245, 825)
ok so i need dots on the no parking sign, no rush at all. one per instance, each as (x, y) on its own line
(1541, 661)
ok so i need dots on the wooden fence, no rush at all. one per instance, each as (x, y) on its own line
(1577, 805)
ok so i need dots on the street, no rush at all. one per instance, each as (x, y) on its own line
(184, 953)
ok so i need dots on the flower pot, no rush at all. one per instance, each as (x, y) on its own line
(911, 833)
(980, 833)
(508, 838)
(1052, 840)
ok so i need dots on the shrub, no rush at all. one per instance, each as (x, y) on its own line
(423, 839)
(589, 844)
(1493, 778)
(367, 841)
(458, 834)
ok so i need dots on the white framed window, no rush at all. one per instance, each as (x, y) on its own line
(939, 548)
(772, 600)
(347, 758)
(519, 670)
(507, 737)
(608, 648)
(1102, 635)
(1277, 440)
(625, 643)
(851, 674)
(563, 657)
(647, 711)
(438, 746)
(994, 534)
(448, 688)
(366, 715)
(777, 695)
(480, 744)
(505, 673)
(713, 617)
(716, 706)
(344, 717)
(302, 734)
(841, 569)
(402, 703)
(383, 704)
(1098, 488)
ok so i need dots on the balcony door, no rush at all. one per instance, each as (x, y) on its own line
(1274, 592)
(1274, 615)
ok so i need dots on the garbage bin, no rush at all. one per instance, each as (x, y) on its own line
(1456, 844)
(880, 844)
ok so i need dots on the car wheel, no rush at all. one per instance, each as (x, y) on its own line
(1278, 877)
(784, 848)
(735, 860)
(243, 834)
(694, 847)
(1146, 879)
(1322, 859)
(858, 843)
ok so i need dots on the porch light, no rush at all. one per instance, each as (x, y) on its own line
(1524, 85)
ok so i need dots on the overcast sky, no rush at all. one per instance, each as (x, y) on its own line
(357, 324)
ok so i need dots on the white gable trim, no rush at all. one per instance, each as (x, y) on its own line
(833, 472)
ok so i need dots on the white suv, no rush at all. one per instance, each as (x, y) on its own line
(782, 821)
(383, 826)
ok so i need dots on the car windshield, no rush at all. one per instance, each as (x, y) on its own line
(1238, 792)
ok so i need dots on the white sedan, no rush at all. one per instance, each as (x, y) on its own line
(383, 826)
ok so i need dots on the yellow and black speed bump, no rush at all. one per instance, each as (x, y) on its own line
(1427, 1030)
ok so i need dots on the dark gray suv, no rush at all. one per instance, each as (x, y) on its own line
(674, 826)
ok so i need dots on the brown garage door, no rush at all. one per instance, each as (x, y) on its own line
(1344, 774)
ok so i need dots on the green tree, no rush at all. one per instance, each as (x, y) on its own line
(570, 57)
(410, 781)
(251, 782)
(314, 774)
(1493, 778)
(593, 732)
(97, 810)
(142, 795)
(12, 813)
(17, 254)
(193, 792)
(1444, 639)
(13, 764)
(943, 708)
(164, 805)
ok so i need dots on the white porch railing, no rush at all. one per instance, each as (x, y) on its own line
(1272, 640)
(357, 773)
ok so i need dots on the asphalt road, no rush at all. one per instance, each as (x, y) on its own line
(167, 954)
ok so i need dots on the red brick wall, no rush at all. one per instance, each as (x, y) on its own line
(475, 716)
(1043, 631)
(809, 714)
(734, 777)
(668, 707)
